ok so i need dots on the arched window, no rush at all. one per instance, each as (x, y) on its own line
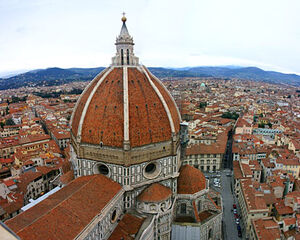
(122, 57)
(128, 56)
(183, 208)
(210, 234)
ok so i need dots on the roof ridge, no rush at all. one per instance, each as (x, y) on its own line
(56, 205)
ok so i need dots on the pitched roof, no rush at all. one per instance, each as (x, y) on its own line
(266, 229)
(61, 215)
(155, 193)
(242, 123)
(202, 148)
(127, 227)
(190, 180)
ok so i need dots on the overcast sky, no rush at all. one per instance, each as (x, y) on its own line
(168, 33)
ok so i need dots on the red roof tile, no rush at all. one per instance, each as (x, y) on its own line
(81, 102)
(190, 180)
(155, 193)
(104, 120)
(127, 228)
(61, 215)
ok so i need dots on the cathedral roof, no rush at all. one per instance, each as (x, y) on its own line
(155, 193)
(125, 103)
(190, 180)
(127, 228)
(62, 215)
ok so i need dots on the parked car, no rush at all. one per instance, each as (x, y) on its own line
(237, 221)
(234, 206)
(234, 211)
(239, 233)
(238, 227)
(236, 215)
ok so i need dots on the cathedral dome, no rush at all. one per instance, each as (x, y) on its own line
(125, 106)
(155, 193)
(191, 180)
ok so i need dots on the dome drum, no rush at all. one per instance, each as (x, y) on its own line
(125, 157)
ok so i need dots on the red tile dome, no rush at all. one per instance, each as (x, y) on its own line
(155, 193)
(190, 180)
(125, 103)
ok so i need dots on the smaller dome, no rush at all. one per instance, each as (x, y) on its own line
(202, 85)
(190, 180)
(155, 193)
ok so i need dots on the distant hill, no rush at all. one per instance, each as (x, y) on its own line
(168, 72)
(58, 76)
(49, 77)
(249, 73)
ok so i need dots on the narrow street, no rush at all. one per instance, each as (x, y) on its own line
(229, 225)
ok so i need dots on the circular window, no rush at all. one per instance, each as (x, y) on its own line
(101, 169)
(114, 216)
(152, 170)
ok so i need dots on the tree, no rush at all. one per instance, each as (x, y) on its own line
(9, 122)
(7, 110)
(230, 115)
(202, 104)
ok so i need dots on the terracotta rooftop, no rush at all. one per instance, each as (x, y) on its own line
(204, 215)
(289, 221)
(67, 177)
(266, 229)
(201, 148)
(190, 180)
(155, 193)
(242, 123)
(127, 228)
(282, 209)
(237, 172)
(61, 215)
(254, 198)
